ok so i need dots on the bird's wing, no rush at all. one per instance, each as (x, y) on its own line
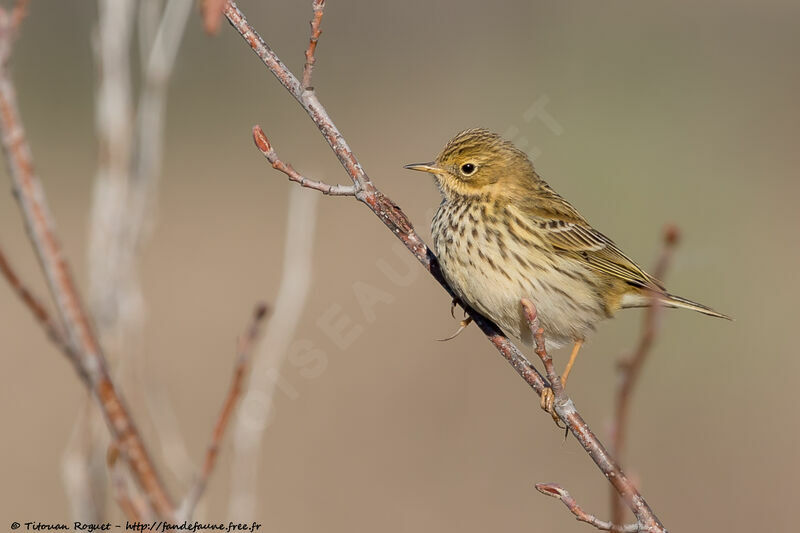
(569, 233)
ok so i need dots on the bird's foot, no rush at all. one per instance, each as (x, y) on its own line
(464, 323)
(547, 402)
(453, 304)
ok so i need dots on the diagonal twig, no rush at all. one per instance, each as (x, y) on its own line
(130, 507)
(90, 363)
(243, 350)
(211, 11)
(630, 368)
(556, 491)
(394, 218)
(51, 328)
(264, 145)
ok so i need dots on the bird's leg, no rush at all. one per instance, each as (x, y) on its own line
(547, 400)
(573, 356)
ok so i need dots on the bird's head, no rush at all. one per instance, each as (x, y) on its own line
(478, 161)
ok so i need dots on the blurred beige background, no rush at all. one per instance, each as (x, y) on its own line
(681, 112)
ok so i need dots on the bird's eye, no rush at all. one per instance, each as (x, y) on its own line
(467, 169)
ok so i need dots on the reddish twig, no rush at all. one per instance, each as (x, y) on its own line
(37, 308)
(556, 491)
(394, 218)
(631, 367)
(18, 13)
(266, 148)
(318, 7)
(90, 362)
(212, 15)
(243, 350)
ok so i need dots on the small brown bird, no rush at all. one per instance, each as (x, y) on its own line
(502, 234)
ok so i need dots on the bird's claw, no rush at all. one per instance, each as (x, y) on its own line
(464, 323)
(453, 305)
(547, 402)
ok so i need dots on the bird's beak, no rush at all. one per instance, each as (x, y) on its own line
(431, 168)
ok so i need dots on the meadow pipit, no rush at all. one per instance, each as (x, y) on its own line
(502, 234)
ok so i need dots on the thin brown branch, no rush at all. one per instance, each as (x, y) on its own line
(264, 145)
(36, 307)
(556, 491)
(90, 364)
(630, 368)
(212, 15)
(318, 7)
(122, 496)
(622, 486)
(244, 349)
(394, 218)
(18, 13)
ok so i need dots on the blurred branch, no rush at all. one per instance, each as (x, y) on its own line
(130, 145)
(253, 417)
(243, 350)
(212, 15)
(130, 150)
(51, 328)
(631, 367)
(401, 227)
(90, 362)
(131, 508)
(87, 491)
(82, 464)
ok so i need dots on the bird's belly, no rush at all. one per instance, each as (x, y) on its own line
(492, 274)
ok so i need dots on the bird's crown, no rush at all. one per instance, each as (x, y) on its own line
(477, 161)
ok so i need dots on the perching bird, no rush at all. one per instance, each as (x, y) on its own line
(502, 234)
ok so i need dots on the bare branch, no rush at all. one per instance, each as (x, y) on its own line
(244, 349)
(556, 491)
(630, 368)
(119, 482)
(264, 145)
(319, 7)
(83, 463)
(394, 218)
(90, 364)
(130, 142)
(51, 328)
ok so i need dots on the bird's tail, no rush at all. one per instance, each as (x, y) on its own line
(670, 300)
